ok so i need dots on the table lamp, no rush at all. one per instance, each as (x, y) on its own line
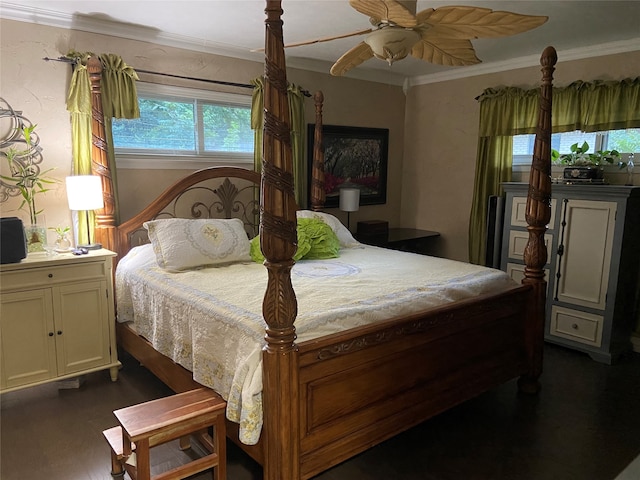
(349, 201)
(84, 192)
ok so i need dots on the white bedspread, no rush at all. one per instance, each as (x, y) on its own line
(210, 320)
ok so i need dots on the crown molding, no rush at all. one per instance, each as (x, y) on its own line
(86, 23)
(604, 49)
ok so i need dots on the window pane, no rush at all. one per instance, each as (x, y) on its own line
(523, 145)
(624, 141)
(163, 125)
(570, 138)
(227, 128)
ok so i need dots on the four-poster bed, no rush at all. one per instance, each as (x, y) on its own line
(328, 398)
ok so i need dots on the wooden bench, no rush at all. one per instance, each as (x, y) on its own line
(153, 423)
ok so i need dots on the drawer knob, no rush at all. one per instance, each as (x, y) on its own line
(50, 275)
(574, 326)
(51, 334)
(59, 332)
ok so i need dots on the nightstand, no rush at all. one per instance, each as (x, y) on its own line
(58, 318)
(405, 239)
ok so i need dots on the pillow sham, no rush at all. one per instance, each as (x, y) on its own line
(342, 232)
(180, 244)
(316, 240)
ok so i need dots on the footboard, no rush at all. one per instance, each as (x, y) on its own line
(364, 386)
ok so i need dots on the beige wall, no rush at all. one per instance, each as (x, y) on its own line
(441, 138)
(432, 146)
(38, 88)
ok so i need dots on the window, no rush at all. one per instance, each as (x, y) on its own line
(624, 141)
(185, 128)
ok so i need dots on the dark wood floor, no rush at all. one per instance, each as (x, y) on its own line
(584, 425)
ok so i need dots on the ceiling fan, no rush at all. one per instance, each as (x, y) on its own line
(440, 36)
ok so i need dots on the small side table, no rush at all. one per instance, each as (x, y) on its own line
(405, 239)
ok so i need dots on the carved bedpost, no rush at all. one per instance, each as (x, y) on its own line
(317, 172)
(105, 228)
(538, 214)
(278, 240)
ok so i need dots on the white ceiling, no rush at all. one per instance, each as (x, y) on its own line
(577, 29)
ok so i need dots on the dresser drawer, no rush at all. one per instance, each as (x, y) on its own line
(519, 210)
(518, 241)
(575, 325)
(52, 275)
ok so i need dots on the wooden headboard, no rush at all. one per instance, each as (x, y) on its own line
(217, 192)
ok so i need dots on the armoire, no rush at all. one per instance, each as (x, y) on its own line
(593, 260)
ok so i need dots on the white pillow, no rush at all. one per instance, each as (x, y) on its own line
(180, 243)
(342, 232)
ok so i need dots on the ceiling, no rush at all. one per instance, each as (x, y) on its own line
(577, 29)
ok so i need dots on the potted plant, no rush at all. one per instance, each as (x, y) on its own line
(583, 166)
(29, 180)
(63, 244)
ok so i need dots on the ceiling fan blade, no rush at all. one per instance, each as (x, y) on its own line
(321, 40)
(386, 10)
(352, 58)
(451, 52)
(474, 22)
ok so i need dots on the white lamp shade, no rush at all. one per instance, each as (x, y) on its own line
(84, 192)
(349, 199)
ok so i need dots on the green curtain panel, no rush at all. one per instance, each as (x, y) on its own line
(119, 99)
(509, 111)
(298, 134)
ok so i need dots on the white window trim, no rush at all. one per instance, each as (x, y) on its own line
(155, 161)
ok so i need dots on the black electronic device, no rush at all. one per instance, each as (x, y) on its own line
(13, 242)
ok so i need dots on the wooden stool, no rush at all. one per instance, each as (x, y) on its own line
(153, 423)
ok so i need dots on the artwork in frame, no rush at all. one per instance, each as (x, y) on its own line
(354, 156)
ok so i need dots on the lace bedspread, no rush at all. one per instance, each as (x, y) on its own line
(210, 320)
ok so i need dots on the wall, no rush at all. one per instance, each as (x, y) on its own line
(432, 148)
(39, 88)
(441, 139)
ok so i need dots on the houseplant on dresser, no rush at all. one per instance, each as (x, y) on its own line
(584, 167)
(25, 178)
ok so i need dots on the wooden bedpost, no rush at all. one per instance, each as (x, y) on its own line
(317, 168)
(538, 215)
(278, 240)
(105, 228)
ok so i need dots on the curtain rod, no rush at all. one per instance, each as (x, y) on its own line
(149, 72)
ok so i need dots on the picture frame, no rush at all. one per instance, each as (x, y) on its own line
(357, 156)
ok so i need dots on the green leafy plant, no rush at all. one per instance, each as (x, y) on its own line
(580, 157)
(61, 231)
(25, 173)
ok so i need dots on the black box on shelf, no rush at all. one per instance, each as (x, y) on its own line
(373, 227)
(13, 243)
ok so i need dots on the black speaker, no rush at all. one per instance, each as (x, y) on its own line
(13, 243)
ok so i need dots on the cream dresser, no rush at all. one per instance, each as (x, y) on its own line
(57, 318)
(593, 247)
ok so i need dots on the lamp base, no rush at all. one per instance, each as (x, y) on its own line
(91, 246)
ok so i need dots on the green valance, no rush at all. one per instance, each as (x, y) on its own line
(504, 112)
(587, 106)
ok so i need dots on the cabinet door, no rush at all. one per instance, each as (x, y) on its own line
(82, 326)
(27, 338)
(583, 268)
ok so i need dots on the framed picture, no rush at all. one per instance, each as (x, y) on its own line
(355, 156)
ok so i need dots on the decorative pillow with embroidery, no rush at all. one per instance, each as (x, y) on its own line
(316, 240)
(342, 232)
(181, 244)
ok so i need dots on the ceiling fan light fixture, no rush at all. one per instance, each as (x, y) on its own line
(392, 43)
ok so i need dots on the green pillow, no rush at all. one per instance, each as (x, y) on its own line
(316, 240)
